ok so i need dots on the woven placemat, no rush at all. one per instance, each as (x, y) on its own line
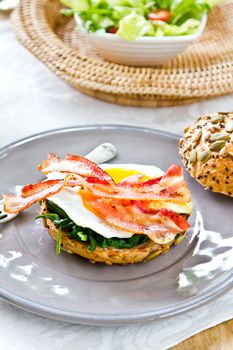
(204, 70)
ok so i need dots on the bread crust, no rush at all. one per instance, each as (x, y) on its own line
(110, 255)
(207, 151)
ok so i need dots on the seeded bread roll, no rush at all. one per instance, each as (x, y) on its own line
(207, 151)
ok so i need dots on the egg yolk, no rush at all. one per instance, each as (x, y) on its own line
(119, 174)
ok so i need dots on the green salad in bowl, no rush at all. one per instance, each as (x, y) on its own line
(131, 19)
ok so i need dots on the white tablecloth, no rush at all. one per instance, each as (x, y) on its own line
(32, 99)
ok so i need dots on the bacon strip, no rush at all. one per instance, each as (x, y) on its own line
(130, 181)
(31, 194)
(130, 189)
(32, 189)
(74, 164)
(170, 187)
(125, 205)
(161, 226)
(166, 189)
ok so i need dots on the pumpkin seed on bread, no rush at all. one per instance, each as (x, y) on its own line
(207, 151)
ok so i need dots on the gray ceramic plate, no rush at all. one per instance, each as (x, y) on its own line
(70, 288)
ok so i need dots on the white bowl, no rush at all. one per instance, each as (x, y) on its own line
(144, 51)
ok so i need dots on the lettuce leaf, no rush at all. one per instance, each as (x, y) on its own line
(134, 26)
(182, 10)
(77, 5)
(188, 27)
(129, 18)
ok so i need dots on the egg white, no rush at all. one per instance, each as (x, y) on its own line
(72, 204)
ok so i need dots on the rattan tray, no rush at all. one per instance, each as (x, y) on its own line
(205, 70)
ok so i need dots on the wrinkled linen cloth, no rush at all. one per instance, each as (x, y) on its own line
(33, 99)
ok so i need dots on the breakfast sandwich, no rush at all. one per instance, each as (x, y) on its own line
(113, 213)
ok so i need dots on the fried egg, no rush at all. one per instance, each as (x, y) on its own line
(72, 204)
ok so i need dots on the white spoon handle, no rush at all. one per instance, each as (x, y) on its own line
(102, 153)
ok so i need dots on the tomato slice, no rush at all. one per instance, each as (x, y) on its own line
(112, 30)
(161, 15)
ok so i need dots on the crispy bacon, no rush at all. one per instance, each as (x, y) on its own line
(177, 193)
(170, 187)
(32, 189)
(151, 182)
(161, 226)
(130, 181)
(125, 205)
(14, 203)
(174, 170)
(179, 220)
(33, 193)
(73, 164)
(96, 180)
(145, 207)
